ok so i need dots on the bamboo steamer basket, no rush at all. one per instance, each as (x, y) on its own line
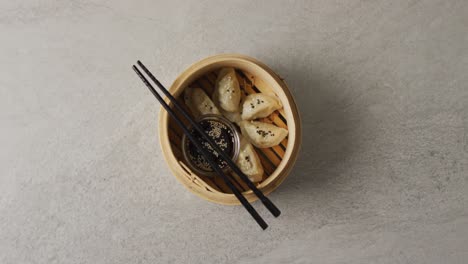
(253, 77)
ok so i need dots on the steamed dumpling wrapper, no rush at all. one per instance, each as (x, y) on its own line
(227, 93)
(259, 105)
(199, 103)
(262, 135)
(234, 117)
(249, 162)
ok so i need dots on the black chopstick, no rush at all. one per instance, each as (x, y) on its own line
(268, 204)
(208, 156)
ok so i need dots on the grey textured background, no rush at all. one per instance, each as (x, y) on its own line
(381, 86)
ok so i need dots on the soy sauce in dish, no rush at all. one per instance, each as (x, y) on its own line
(222, 133)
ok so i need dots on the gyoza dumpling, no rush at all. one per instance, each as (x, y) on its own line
(248, 161)
(227, 93)
(262, 135)
(234, 117)
(199, 103)
(259, 105)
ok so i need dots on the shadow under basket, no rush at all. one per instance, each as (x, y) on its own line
(254, 77)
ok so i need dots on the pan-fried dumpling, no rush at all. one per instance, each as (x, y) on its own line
(259, 105)
(262, 135)
(227, 93)
(199, 103)
(248, 161)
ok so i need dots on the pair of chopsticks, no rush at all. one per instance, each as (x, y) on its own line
(207, 155)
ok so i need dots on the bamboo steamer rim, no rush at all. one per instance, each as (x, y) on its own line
(255, 68)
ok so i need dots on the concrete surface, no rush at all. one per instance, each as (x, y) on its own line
(382, 87)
